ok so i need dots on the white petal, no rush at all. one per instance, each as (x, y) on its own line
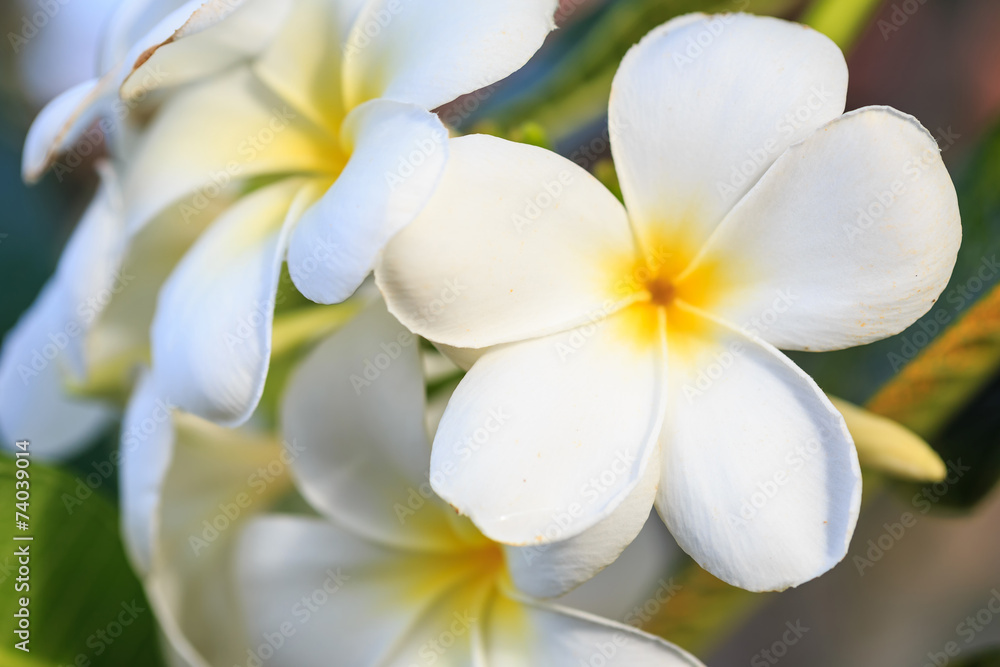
(397, 157)
(850, 237)
(638, 583)
(213, 134)
(211, 336)
(215, 479)
(354, 413)
(60, 125)
(431, 52)
(375, 599)
(516, 243)
(544, 439)
(147, 451)
(198, 40)
(304, 62)
(525, 632)
(550, 570)
(129, 24)
(703, 105)
(90, 267)
(761, 484)
(34, 405)
(118, 338)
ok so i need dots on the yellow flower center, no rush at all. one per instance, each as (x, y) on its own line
(662, 285)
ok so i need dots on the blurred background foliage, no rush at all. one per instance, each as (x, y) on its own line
(936, 59)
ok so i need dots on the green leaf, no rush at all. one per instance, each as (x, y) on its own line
(572, 80)
(843, 21)
(987, 659)
(84, 598)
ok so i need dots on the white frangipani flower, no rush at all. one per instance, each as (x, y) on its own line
(318, 113)
(390, 574)
(642, 340)
(406, 580)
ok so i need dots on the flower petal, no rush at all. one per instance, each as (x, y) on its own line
(704, 104)
(638, 583)
(211, 335)
(118, 339)
(550, 570)
(761, 484)
(90, 267)
(544, 439)
(432, 52)
(850, 237)
(60, 125)
(375, 599)
(516, 243)
(304, 62)
(200, 39)
(129, 24)
(147, 450)
(34, 404)
(213, 134)
(364, 467)
(398, 154)
(527, 632)
(187, 486)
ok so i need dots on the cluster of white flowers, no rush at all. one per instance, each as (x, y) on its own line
(619, 357)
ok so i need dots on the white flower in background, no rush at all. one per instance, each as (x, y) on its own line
(56, 44)
(46, 348)
(307, 122)
(386, 573)
(642, 340)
